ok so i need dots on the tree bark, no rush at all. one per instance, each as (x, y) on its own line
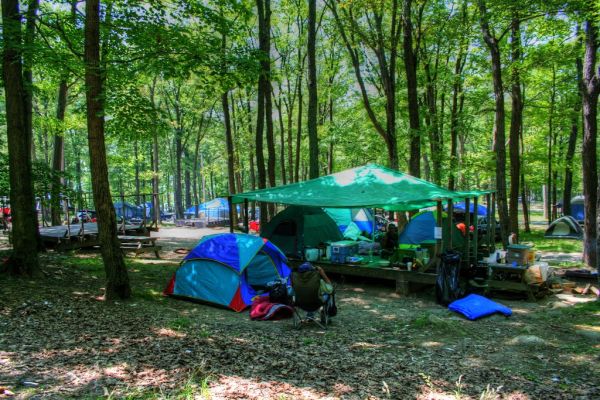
(313, 140)
(28, 42)
(572, 144)
(260, 105)
(117, 280)
(24, 257)
(155, 162)
(229, 145)
(515, 125)
(590, 92)
(58, 158)
(548, 209)
(410, 67)
(499, 125)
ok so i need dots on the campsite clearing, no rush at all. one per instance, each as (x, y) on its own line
(381, 345)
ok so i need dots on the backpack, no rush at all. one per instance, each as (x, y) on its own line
(278, 293)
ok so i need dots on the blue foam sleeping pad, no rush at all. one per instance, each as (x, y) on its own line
(474, 306)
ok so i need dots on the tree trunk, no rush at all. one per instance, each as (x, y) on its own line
(229, 146)
(591, 89)
(313, 140)
(499, 126)
(117, 280)
(260, 107)
(58, 159)
(548, 208)
(178, 172)
(28, 40)
(568, 186)
(298, 131)
(515, 126)
(155, 163)
(24, 257)
(410, 67)
(136, 162)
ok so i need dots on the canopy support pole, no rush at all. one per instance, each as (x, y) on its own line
(492, 224)
(439, 243)
(246, 228)
(467, 259)
(372, 237)
(475, 228)
(450, 222)
(230, 202)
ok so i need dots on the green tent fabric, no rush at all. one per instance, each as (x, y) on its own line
(299, 227)
(371, 186)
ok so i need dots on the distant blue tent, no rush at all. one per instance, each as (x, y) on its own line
(421, 228)
(577, 210)
(214, 209)
(129, 210)
(460, 207)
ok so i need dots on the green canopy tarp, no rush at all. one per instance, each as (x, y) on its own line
(370, 186)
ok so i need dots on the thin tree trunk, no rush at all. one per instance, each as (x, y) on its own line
(410, 67)
(24, 257)
(298, 131)
(548, 208)
(568, 186)
(591, 89)
(499, 126)
(117, 280)
(58, 159)
(260, 106)
(136, 161)
(155, 162)
(515, 125)
(524, 197)
(313, 140)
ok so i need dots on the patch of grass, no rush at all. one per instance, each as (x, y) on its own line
(536, 236)
(307, 341)
(440, 324)
(179, 324)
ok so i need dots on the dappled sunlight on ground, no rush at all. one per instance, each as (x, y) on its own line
(380, 345)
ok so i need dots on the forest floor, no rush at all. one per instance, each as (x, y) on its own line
(58, 339)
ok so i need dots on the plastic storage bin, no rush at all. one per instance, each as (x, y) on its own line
(343, 249)
(519, 254)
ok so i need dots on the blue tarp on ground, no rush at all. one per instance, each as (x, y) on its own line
(226, 269)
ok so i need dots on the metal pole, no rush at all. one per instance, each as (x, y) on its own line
(439, 242)
(230, 202)
(467, 221)
(492, 224)
(246, 223)
(450, 223)
(475, 228)
(372, 236)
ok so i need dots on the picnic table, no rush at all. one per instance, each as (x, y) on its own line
(378, 268)
(509, 278)
(139, 244)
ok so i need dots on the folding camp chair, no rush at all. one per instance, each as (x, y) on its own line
(307, 301)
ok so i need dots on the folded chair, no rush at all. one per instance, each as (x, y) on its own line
(308, 303)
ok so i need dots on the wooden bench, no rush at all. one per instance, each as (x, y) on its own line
(506, 277)
(139, 244)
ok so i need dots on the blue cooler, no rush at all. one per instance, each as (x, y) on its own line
(343, 249)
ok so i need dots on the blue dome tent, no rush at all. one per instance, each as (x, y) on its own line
(460, 208)
(228, 269)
